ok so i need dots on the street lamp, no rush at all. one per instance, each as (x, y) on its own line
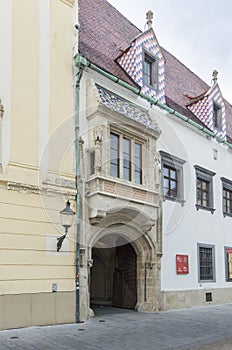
(67, 215)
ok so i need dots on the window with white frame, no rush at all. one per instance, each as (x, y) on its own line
(206, 263)
(172, 177)
(204, 189)
(125, 158)
(226, 196)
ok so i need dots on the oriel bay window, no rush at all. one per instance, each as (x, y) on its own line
(125, 158)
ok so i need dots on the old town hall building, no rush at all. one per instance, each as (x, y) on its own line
(96, 114)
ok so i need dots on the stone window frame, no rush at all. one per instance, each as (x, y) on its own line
(177, 163)
(205, 175)
(209, 246)
(133, 141)
(154, 60)
(226, 185)
(217, 116)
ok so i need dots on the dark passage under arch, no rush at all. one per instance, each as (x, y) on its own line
(114, 275)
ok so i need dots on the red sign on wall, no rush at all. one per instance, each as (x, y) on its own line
(182, 264)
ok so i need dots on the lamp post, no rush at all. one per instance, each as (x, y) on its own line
(67, 215)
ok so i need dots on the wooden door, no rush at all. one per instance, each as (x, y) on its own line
(124, 281)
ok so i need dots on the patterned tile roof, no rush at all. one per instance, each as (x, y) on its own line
(105, 34)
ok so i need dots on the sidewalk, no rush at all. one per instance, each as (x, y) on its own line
(116, 329)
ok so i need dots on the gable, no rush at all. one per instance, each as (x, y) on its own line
(203, 108)
(132, 62)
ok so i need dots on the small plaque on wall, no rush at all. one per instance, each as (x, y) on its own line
(182, 267)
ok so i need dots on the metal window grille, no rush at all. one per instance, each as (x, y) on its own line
(206, 263)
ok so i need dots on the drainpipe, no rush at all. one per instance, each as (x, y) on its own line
(78, 181)
(79, 59)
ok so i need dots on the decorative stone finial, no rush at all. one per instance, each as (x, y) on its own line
(149, 17)
(215, 74)
(1, 109)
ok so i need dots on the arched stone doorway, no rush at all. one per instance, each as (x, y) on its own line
(113, 279)
(142, 237)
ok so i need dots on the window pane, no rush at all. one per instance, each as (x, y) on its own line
(217, 116)
(204, 203)
(138, 178)
(204, 185)
(173, 174)
(224, 205)
(227, 201)
(126, 159)
(165, 171)
(92, 163)
(126, 146)
(147, 72)
(114, 155)
(169, 181)
(114, 170)
(138, 163)
(203, 193)
(114, 139)
(173, 185)
(199, 197)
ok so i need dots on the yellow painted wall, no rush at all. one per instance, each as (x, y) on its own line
(29, 216)
(61, 120)
(29, 208)
(26, 263)
(24, 135)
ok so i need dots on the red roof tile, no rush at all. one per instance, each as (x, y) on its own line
(105, 32)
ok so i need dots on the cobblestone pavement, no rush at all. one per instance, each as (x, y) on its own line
(115, 329)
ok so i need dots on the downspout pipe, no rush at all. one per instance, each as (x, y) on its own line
(78, 182)
(81, 60)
